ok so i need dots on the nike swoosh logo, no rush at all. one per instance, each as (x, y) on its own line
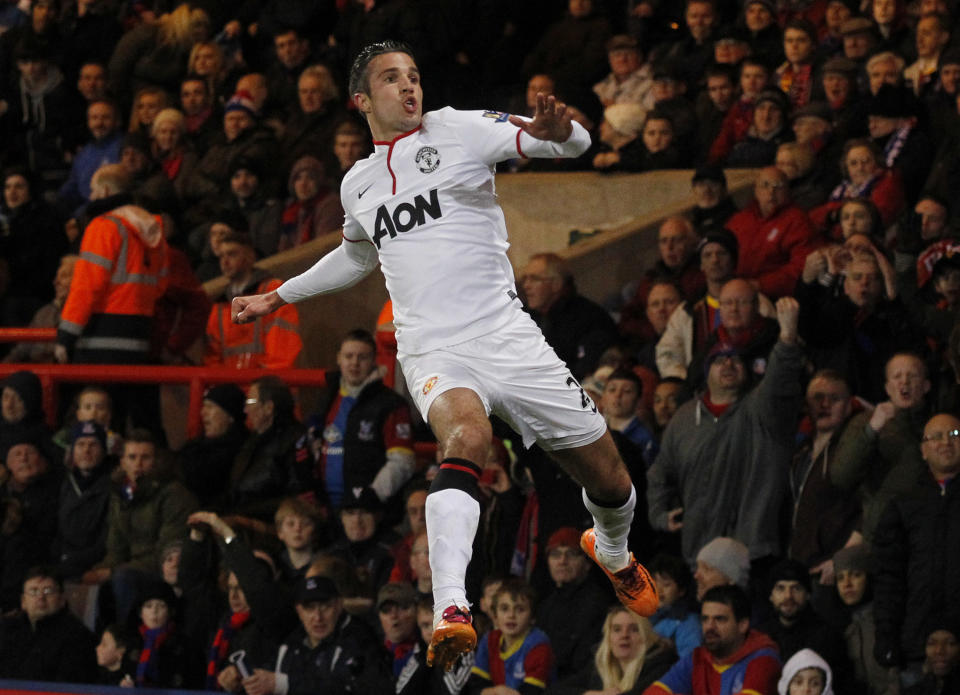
(360, 194)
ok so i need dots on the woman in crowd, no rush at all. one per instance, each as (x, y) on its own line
(630, 657)
(169, 150)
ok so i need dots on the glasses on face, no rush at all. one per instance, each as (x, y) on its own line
(950, 435)
(251, 401)
(41, 591)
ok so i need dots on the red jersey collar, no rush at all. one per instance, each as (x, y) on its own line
(391, 143)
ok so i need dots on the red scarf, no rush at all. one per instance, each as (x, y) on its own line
(171, 165)
(221, 645)
(715, 409)
(148, 668)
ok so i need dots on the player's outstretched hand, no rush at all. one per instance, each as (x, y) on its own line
(551, 120)
(246, 309)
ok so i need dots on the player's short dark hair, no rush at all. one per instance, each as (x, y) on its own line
(360, 335)
(730, 595)
(359, 79)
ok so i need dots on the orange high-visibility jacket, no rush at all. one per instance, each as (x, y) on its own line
(121, 273)
(271, 341)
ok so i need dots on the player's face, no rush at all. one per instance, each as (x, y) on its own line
(356, 361)
(394, 104)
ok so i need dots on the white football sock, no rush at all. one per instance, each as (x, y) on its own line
(612, 526)
(452, 520)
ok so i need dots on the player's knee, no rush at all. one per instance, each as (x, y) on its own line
(469, 440)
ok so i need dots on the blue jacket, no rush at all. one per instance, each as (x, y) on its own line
(680, 626)
(75, 191)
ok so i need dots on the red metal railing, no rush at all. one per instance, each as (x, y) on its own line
(197, 378)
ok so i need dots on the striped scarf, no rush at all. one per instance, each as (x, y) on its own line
(221, 645)
(153, 639)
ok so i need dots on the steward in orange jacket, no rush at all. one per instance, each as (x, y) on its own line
(272, 341)
(108, 315)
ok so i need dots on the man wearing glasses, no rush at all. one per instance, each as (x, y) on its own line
(44, 641)
(918, 567)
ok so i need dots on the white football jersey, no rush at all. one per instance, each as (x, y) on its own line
(426, 204)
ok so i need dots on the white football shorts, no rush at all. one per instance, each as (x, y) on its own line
(518, 377)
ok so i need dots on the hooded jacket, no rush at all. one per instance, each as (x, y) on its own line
(754, 667)
(805, 658)
(122, 271)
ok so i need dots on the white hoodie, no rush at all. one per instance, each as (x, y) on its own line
(805, 658)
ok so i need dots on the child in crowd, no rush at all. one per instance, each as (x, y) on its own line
(675, 619)
(92, 404)
(483, 616)
(515, 654)
(162, 658)
(116, 657)
(296, 521)
(806, 673)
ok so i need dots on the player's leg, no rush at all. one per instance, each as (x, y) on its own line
(610, 497)
(460, 422)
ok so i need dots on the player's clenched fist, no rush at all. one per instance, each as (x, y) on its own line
(246, 309)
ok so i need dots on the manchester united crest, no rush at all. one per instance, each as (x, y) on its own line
(427, 159)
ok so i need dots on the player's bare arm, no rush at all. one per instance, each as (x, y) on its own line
(246, 309)
(551, 120)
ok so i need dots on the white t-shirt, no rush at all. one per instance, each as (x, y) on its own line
(425, 205)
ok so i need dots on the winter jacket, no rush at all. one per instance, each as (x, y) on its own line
(918, 570)
(572, 616)
(122, 271)
(754, 667)
(271, 341)
(878, 465)
(860, 635)
(731, 472)
(680, 624)
(82, 522)
(58, 649)
(269, 466)
(351, 660)
(140, 527)
(773, 249)
(579, 330)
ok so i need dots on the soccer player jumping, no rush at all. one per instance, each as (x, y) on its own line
(423, 205)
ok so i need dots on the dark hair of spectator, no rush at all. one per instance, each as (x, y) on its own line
(349, 127)
(193, 77)
(803, 25)
(516, 588)
(936, 198)
(755, 62)
(730, 595)
(360, 335)
(122, 636)
(273, 390)
(859, 142)
(359, 79)
(720, 70)
(674, 567)
(656, 115)
(44, 572)
(236, 236)
(415, 485)
(626, 375)
(139, 435)
(234, 219)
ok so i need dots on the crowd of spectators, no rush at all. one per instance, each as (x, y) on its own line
(783, 382)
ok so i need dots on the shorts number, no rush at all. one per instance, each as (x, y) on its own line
(585, 401)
